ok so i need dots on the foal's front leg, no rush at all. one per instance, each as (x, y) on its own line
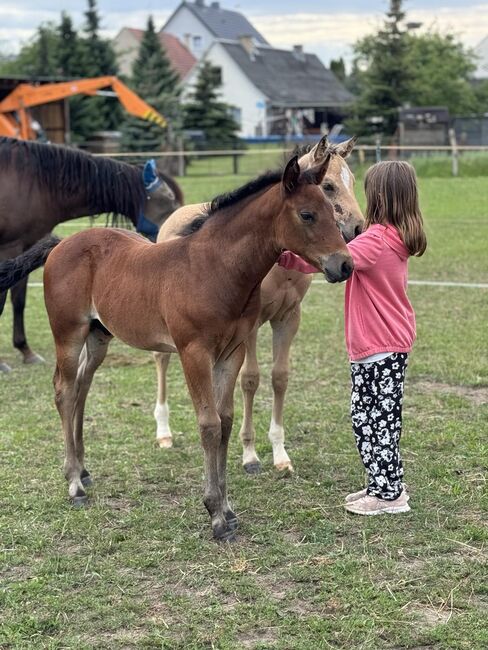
(197, 366)
(224, 379)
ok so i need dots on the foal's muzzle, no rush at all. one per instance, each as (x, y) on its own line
(337, 267)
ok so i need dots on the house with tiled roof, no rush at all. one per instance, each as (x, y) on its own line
(127, 42)
(272, 91)
(198, 25)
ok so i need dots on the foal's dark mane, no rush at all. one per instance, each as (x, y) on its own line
(230, 199)
(105, 184)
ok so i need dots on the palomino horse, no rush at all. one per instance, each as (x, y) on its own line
(42, 185)
(281, 295)
(197, 295)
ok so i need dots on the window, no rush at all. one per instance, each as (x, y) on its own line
(197, 43)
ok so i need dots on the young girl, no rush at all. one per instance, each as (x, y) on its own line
(380, 329)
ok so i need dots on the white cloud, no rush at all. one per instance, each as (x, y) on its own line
(343, 29)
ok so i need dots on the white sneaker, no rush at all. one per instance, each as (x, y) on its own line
(369, 505)
(354, 496)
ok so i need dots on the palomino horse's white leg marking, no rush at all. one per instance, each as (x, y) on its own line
(161, 410)
(249, 386)
(276, 435)
(163, 433)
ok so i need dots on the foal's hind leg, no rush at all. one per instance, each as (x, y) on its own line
(68, 349)
(91, 357)
(18, 295)
(249, 386)
(161, 410)
(283, 334)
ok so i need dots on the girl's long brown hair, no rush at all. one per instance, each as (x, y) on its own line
(392, 198)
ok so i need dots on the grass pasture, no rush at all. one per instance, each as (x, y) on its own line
(137, 568)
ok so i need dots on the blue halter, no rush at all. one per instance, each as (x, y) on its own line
(151, 183)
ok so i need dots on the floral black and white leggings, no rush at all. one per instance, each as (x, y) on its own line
(376, 413)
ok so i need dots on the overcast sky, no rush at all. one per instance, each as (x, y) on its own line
(326, 28)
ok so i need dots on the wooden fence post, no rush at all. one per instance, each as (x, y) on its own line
(454, 152)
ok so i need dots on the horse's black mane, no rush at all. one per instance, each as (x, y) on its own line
(106, 184)
(229, 199)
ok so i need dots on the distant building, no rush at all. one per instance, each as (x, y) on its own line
(198, 25)
(273, 91)
(127, 42)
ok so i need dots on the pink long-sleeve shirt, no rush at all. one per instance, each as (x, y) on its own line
(378, 316)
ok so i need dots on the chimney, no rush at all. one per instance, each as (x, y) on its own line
(215, 5)
(298, 52)
(200, 3)
(247, 43)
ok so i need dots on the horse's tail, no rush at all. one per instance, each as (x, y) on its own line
(14, 270)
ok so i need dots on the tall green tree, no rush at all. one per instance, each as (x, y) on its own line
(338, 67)
(38, 57)
(443, 68)
(206, 112)
(97, 59)
(157, 83)
(382, 73)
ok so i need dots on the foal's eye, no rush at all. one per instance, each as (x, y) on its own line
(328, 187)
(308, 217)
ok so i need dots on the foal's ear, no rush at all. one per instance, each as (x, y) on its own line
(320, 149)
(345, 148)
(291, 175)
(318, 172)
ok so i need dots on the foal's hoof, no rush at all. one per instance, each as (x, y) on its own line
(4, 367)
(228, 535)
(80, 502)
(285, 468)
(33, 358)
(86, 479)
(252, 468)
(165, 443)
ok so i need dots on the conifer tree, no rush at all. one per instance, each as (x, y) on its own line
(97, 60)
(157, 83)
(382, 72)
(207, 113)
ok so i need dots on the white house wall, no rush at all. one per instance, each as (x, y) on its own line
(185, 26)
(126, 47)
(236, 90)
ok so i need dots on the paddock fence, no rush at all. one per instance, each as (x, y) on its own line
(440, 160)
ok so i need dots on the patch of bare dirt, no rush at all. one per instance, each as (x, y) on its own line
(477, 395)
(429, 616)
(252, 638)
(120, 359)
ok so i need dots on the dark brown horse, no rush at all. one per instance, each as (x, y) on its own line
(42, 185)
(197, 295)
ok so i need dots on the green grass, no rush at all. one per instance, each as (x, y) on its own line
(137, 568)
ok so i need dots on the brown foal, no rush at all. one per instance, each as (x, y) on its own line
(197, 295)
(282, 292)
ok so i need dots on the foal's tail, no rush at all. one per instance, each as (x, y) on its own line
(11, 271)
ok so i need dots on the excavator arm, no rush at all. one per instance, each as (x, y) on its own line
(26, 96)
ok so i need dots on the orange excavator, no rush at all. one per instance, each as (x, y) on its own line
(15, 121)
